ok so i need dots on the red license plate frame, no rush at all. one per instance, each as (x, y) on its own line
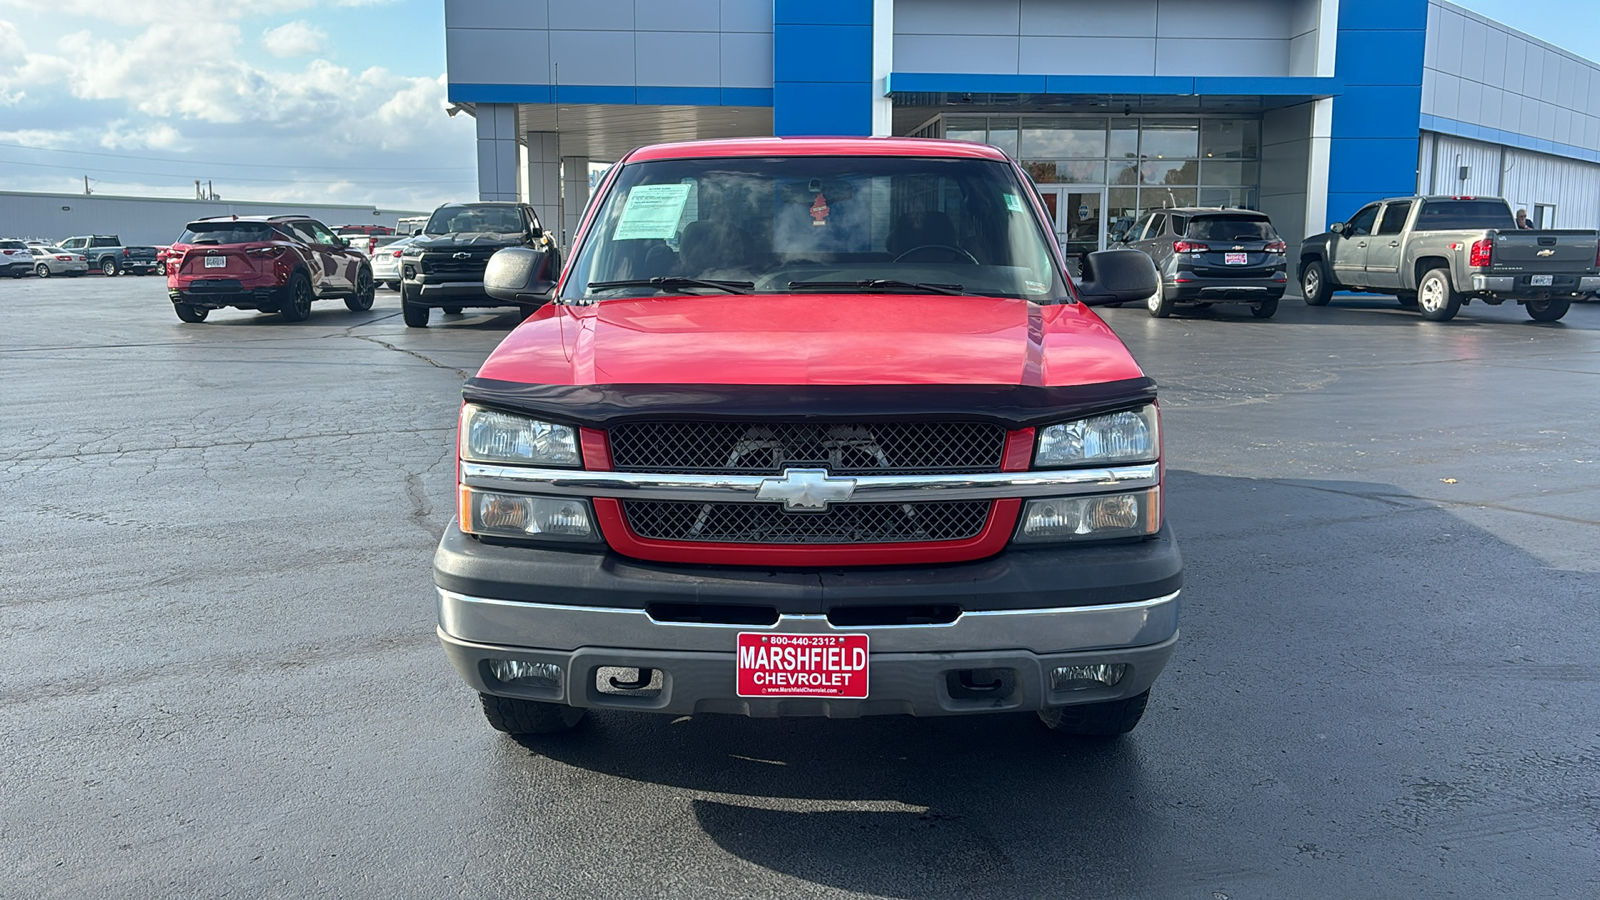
(1236, 259)
(832, 666)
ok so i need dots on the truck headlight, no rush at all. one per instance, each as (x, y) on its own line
(1122, 437)
(494, 514)
(1093, 518)
(496, 437)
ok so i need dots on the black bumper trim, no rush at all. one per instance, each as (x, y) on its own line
(1036, 578)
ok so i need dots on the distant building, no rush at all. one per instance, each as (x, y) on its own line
(152, 220)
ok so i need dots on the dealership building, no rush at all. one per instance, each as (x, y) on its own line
(1305, 109)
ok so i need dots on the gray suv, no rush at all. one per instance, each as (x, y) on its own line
(1209, 255)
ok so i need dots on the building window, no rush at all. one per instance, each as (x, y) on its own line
(1544, 215)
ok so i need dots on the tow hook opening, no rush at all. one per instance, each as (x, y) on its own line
(980, 684)
(712, 614)
(918, 614)
(622, 681)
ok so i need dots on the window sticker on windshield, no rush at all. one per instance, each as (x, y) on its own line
(1035, 287)
(1013, 203)
(652, 212)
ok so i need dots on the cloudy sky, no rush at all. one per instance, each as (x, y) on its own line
(309, 100)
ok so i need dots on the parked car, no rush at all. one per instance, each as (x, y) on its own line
(48, 260)
(107, 256)
(370, 230)
(386, 263)
(270, 263)
(443, 267)
(764, 456)
(1438, 254)
(1210, 255)
(15, 260)
(368, 245)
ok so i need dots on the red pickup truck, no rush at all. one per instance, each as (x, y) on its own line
(811, 427)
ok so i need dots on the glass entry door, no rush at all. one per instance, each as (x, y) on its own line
(1078, 212)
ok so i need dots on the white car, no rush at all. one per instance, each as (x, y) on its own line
(50, 260)
(386, 263)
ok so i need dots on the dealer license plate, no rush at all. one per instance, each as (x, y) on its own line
(1236, 259)
(1542, 280)
(802, 665)
(216, 262)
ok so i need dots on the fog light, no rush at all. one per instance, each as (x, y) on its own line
(1083, 678)
(526, 674)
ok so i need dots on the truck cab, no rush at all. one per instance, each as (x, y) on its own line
(812, 427)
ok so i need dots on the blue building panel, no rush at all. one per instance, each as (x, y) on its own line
(841, 53)
(822, 12)
(822, 108)
(1375, 133)
(1382, 15)
(822, 67)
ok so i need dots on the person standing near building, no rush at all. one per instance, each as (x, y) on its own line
(1522, 219)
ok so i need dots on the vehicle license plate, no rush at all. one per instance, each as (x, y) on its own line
(1542, 280)
(802, 665)
(216, 262)
(1236, 259)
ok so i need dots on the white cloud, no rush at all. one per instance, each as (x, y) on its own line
(121, 135)
(294, 39)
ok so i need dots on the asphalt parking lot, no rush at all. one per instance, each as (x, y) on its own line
(220, 676)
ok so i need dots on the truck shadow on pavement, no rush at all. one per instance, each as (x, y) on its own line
(1364, 678)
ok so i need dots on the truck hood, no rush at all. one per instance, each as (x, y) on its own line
(475, 240)
(812, 339)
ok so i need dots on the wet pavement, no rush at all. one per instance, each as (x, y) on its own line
(220, 677)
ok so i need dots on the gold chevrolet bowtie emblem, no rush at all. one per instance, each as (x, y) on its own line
(1547, 253)
(810, 489)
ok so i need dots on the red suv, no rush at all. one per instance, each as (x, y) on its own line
(271, 263)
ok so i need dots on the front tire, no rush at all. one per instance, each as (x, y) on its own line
(517, 717)
(1266, 309)
(296, 306)
(1316, 286)
(108, 267)
(42, 270)
(1437, 299)
(414, 313)
(190, 313)
(365, 293)
(1107, 719)
(1159, 304)
(1548, 310)
(392, 285)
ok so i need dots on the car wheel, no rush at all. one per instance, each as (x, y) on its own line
(1408, 299)
(108, 267)
(1315, 285)
(1158, 304)
(1266, 309)
(392, 285)
(296, 303)
(1437, 299)
(515, 716)
(1548, 310)
(365, 293)
(1107, 719)
(42, 270)
(415, 314)
(191, 313)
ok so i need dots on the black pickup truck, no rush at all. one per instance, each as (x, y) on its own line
(1439, 253)
(443, 267)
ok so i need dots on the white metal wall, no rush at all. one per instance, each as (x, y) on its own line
(1523, 177)
(151, 221)
(1100, 37)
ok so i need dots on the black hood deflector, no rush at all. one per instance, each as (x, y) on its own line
(1014, 406)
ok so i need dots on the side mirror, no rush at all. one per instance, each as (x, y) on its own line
(1337, 228)
(416, 232)
(519, 275)
(1117, 276)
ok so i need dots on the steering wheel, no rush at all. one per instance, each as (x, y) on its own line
(970, 259)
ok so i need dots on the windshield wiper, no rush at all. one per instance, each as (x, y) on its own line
(880, 284)
(672, 281)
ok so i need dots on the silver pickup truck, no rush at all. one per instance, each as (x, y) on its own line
(1437, 253)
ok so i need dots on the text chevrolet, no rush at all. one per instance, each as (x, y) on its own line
(811, 427)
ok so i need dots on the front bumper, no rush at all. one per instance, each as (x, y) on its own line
(1024, 611)
(913, 669)
(433, 292)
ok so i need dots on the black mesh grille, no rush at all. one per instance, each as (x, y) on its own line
(902, 448)
(447, 264)
(842, 523)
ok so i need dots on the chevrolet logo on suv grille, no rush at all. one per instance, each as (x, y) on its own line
(811, 489)
(462, 255)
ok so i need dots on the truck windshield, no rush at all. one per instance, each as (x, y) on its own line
(1451, 215)
(468, 218)
(840, 224)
